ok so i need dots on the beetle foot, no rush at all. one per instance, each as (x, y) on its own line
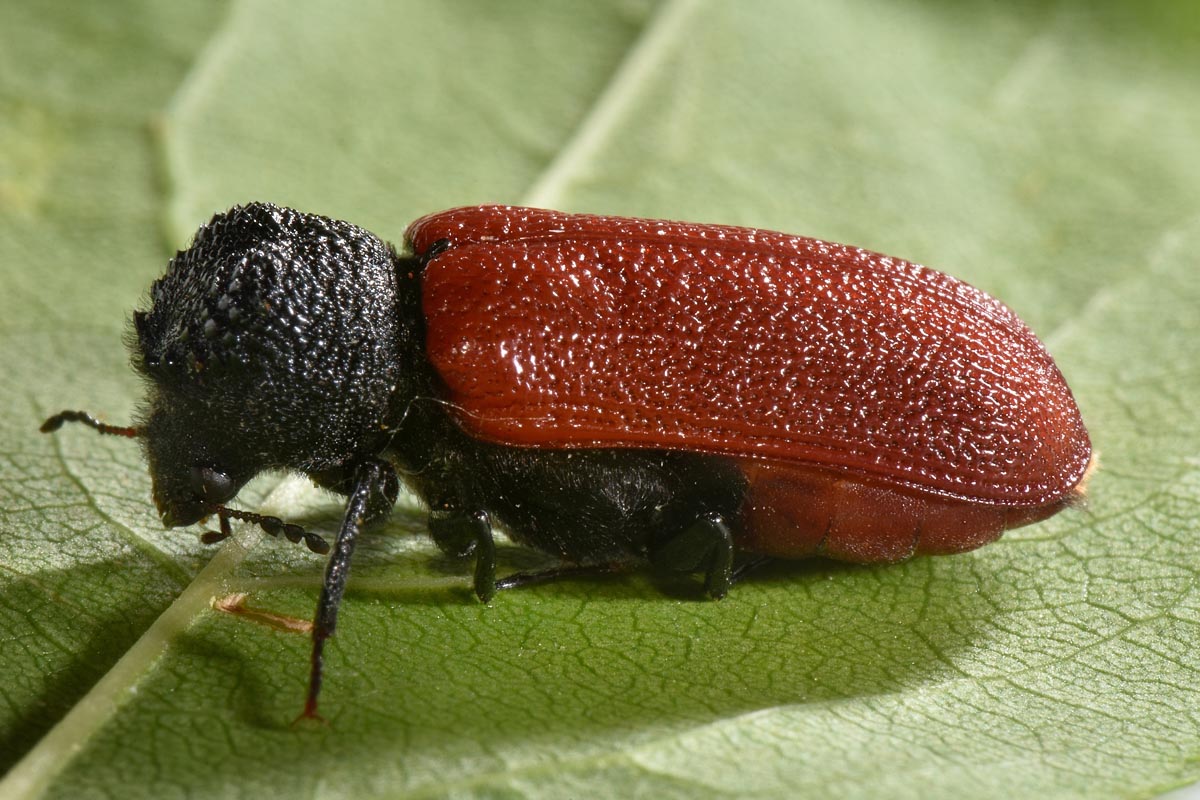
(459, 535)
(705, 546)
(213, 537)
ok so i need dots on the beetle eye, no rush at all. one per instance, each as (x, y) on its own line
(211, 485)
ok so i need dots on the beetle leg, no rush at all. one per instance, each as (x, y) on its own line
(706, 545)
(461, 534)
(371, 479)
(212, 537)
(341, 481)
(521, 579)
(746, 567)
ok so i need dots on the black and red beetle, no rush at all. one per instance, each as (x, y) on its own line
(606, 390)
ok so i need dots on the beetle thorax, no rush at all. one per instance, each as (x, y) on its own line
(275, 334)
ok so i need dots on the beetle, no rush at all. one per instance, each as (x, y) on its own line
(607, 390)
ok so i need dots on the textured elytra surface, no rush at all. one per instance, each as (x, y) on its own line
(558, 329)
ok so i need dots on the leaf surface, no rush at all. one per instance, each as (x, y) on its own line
(1047, 154)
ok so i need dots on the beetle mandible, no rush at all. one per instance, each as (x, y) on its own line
(607, 390)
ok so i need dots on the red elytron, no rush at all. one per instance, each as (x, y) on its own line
(878, 408)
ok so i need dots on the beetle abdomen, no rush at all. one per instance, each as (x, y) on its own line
(794, 511)
(561, 330)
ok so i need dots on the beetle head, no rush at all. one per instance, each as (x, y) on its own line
(270, 343)
(193, 467)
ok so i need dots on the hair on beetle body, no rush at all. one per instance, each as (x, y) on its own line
(611, 391)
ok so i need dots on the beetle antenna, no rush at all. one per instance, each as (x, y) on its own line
(272, 525)
(55, 422)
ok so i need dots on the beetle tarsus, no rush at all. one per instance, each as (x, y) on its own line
(704, 546)
(314, 679)
(213, 537)
(460, 535)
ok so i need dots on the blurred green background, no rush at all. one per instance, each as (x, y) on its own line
(1048, 153)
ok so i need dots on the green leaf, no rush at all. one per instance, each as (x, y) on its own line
(1046, 153)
